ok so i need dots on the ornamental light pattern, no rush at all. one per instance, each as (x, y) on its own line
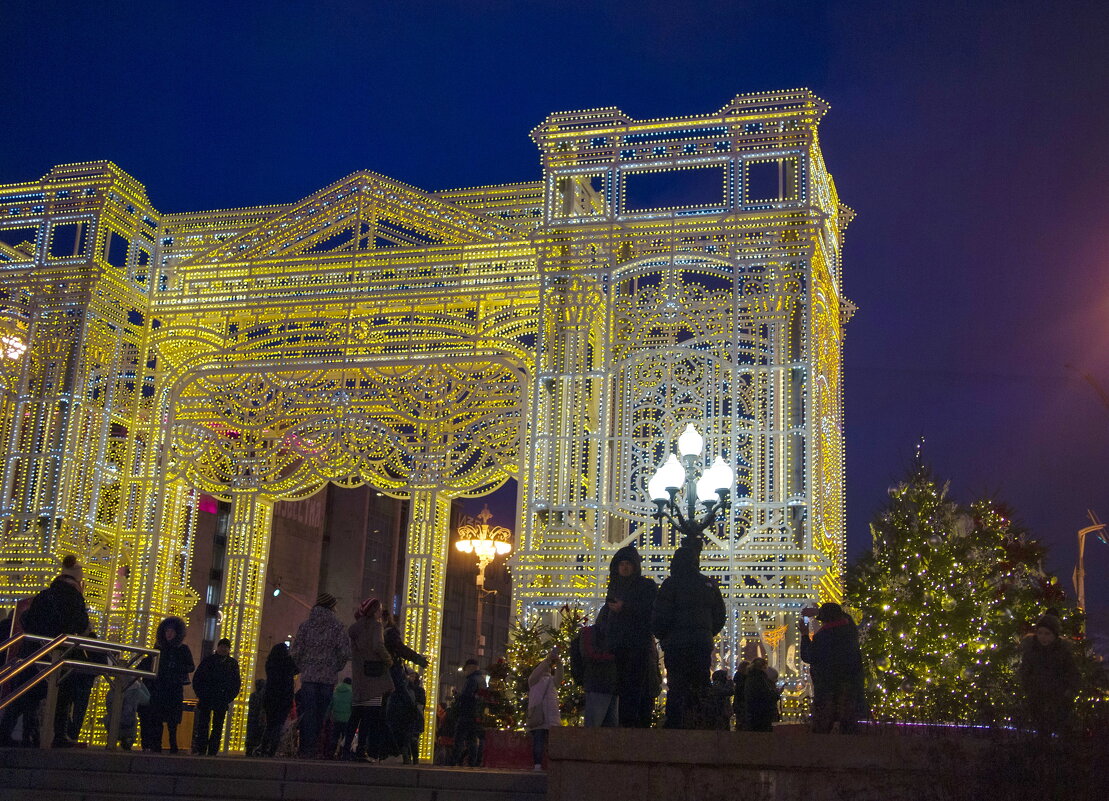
(433, 344)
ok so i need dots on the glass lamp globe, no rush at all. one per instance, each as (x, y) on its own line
(690, 443)
(670, 475)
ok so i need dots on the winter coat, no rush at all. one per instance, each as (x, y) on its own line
(739, 700)
(598, 663)
(321, 647)
(175, 663)
(341, 702)
(217, 681)
(760, 701)
(59, 609)
(689, 610)
(394, 643)
(1048, 672)
(630, 627)
(833, 654)
(543, 684)
(280, 671)
(719, 706)
(367, 643)
(468, 703)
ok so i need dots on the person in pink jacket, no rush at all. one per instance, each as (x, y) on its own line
(543, 712)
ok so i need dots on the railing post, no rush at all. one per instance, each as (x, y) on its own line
(46, 724)
(116, 687)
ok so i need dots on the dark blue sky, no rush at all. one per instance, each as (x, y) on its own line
(972, 142)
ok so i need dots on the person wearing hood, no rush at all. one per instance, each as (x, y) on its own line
(372, 683)
(630, 600)
(836, 665)
(1049, 676)
(216, 683)
(58, 609)
(688, 614)
(320, 650)
(167, 688)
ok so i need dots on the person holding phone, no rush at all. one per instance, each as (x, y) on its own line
(837, 670)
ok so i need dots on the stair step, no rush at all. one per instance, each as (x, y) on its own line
(95, 775)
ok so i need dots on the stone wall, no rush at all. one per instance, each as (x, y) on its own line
(792, 764)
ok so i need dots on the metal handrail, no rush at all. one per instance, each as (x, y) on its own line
(46, 657)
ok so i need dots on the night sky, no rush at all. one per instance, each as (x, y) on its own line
(972, 142)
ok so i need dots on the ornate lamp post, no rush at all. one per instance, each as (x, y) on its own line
(487, 542)
(710, 489)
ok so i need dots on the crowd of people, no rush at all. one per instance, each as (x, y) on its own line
(378, 712)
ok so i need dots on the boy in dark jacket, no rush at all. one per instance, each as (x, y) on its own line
(600, 678)
(837, 670)
(630, 601)
(688, 614)
(216, 684)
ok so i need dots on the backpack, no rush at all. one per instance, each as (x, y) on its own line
(577, 659)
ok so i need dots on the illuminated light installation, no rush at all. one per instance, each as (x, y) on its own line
(433, 344)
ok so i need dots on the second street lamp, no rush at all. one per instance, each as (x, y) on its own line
(710, 489)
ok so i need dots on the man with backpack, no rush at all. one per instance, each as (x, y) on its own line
(59, 609)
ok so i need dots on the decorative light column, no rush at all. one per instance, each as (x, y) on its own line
(487, 543)
(711, 488)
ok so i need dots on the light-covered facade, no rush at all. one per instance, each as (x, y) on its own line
(433, 344)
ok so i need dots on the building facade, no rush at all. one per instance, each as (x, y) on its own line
(431, 345)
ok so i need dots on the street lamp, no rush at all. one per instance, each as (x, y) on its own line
(711, 488)
(1079, 576)
(486, 542)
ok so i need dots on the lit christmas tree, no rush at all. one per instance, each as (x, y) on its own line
(528, 644)
(944, 597)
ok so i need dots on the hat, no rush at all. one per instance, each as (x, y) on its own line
(469, 662)
(325, 599)
(72, 568)
(829, 612)
(367, 607)
(1049, 621)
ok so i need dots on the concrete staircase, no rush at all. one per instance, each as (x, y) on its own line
(95, 775)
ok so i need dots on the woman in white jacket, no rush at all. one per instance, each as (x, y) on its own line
(543, 711)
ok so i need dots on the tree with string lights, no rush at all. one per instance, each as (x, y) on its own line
(945, 596)
(529, 642)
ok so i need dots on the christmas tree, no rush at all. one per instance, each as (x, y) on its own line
(944, 598)
(529, 642)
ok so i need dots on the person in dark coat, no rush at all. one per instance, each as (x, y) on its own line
(739, 700)
(58, 609)
(630, 600)
(277, 699)
(760, 691)
(1049, 676)
(167, 688)
(721, 700)
(600, 679)
(688, 614)
(400, 706)
(74, 692)
(216, 683)
(255, 718)
(837, 670)
(468, 733)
